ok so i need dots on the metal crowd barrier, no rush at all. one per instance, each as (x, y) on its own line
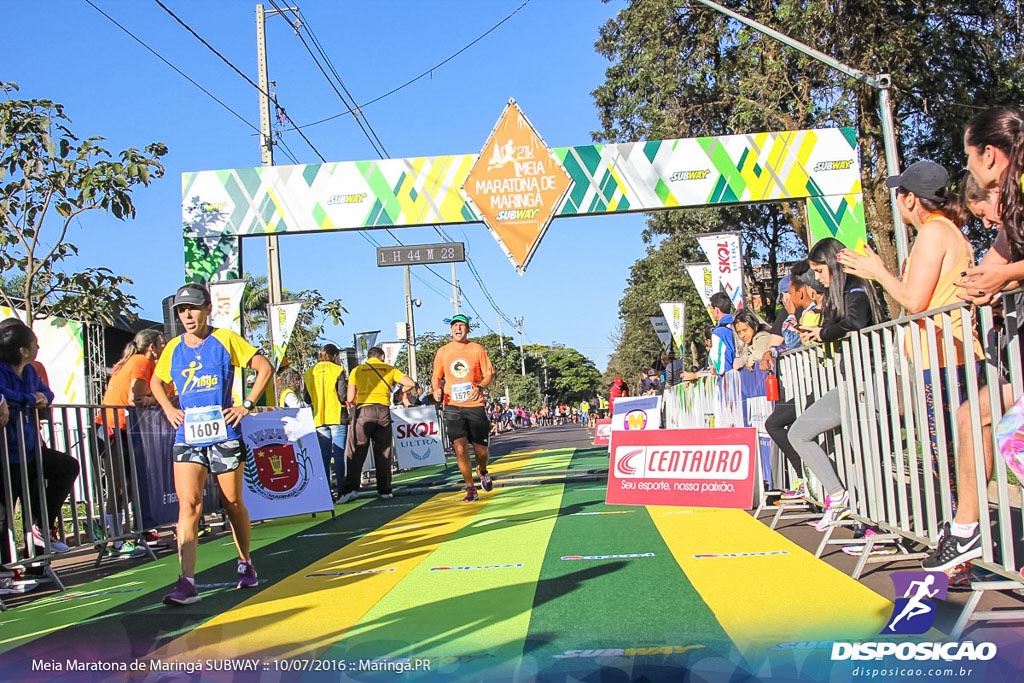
(104, 505)
(901, 479)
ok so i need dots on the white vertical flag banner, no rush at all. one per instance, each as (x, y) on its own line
(364, 341)
(662, 330)
(675, 315)
(226, 298)
(282, 323)
(723, 251)
(704, 280)
(391, 351)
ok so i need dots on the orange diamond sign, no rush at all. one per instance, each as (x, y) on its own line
(516, 185)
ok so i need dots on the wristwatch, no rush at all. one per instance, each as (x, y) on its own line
(248, 405)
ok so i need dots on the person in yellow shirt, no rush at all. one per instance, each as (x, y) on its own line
(369, 393)
(325, 392)
(467, 371)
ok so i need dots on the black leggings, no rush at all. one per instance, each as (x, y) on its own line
(777, 425)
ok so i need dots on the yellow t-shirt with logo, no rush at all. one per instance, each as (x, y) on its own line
(373, 381)
(322, 386)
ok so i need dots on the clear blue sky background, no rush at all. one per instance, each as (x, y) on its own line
(544, 57)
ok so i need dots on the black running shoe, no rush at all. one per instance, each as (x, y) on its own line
(953, 550)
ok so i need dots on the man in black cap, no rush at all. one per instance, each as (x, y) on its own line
(201, 364)
(466, 371)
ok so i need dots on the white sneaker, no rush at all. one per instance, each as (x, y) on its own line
(347, 497)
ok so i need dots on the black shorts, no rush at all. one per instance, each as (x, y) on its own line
(467, 423)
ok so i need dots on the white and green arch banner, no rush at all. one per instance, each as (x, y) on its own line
(819, 166)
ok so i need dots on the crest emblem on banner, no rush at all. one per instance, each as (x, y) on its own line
(278, 468)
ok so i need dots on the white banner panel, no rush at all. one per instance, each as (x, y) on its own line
(226, 297)
(634, 413)
(417, 433)
(284, 473)
(723, 251)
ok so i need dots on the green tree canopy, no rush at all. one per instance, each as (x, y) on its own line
(49, 178)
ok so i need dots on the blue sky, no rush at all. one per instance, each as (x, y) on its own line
(543, 57)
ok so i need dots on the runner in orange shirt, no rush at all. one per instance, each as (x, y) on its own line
(467, 371)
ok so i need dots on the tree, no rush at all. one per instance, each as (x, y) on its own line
(304, 344)
(684, 70)
(571, 376)
(49, 178)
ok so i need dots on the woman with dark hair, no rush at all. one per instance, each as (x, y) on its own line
(850, 305)
(290, 384)
(25, 394)
(755, 335)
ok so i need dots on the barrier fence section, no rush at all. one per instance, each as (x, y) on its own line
(919, 396)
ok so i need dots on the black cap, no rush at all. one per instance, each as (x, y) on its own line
(192, 294)
(926, 179)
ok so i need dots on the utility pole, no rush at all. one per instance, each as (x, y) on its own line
(455, 289)
(267, 152)
(410, 325)
(882, 83)
(522, 353)
(501, 338)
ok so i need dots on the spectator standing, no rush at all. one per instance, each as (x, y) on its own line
(723, 342)
(326, 389)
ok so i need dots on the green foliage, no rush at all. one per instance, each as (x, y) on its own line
(316, 310)
(48, 178)
(569, 374)
(684, 70)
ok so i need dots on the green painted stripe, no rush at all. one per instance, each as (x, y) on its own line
(276, 551)
(645, 607)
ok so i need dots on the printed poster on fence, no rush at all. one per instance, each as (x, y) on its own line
(285, 474)
(723, 251)
(709, 468)
(637, 413)
(417, 434)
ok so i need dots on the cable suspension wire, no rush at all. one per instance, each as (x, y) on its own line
(170, 64)
(368, 131)
(272, 98)
(426, 73)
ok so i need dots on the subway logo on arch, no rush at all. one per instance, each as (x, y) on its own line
(682, 462)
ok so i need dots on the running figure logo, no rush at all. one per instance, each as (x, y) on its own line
(915, 611)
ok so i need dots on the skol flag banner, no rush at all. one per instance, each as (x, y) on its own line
(282, 323)
(661, 329)
(675, 315)
(516, 185)
(723, 251)
(417, 434)
(364, 341)
(703, 280)
(226, 297)
(285, 475)
(391, 351)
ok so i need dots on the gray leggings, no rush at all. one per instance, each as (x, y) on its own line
(819, 417)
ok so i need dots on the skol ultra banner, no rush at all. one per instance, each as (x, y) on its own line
(675, 316)
(703, 280)
(226, 297)
(285, 475)
(364, 341)
(417, 433)
(282, 323)
(723, 251)
(637, 413)
(691, 467)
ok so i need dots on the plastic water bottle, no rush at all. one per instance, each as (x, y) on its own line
(771, 387)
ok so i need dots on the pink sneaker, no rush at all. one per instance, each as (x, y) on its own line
(246, 575)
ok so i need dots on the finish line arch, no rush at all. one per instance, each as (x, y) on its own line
(820, 166)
